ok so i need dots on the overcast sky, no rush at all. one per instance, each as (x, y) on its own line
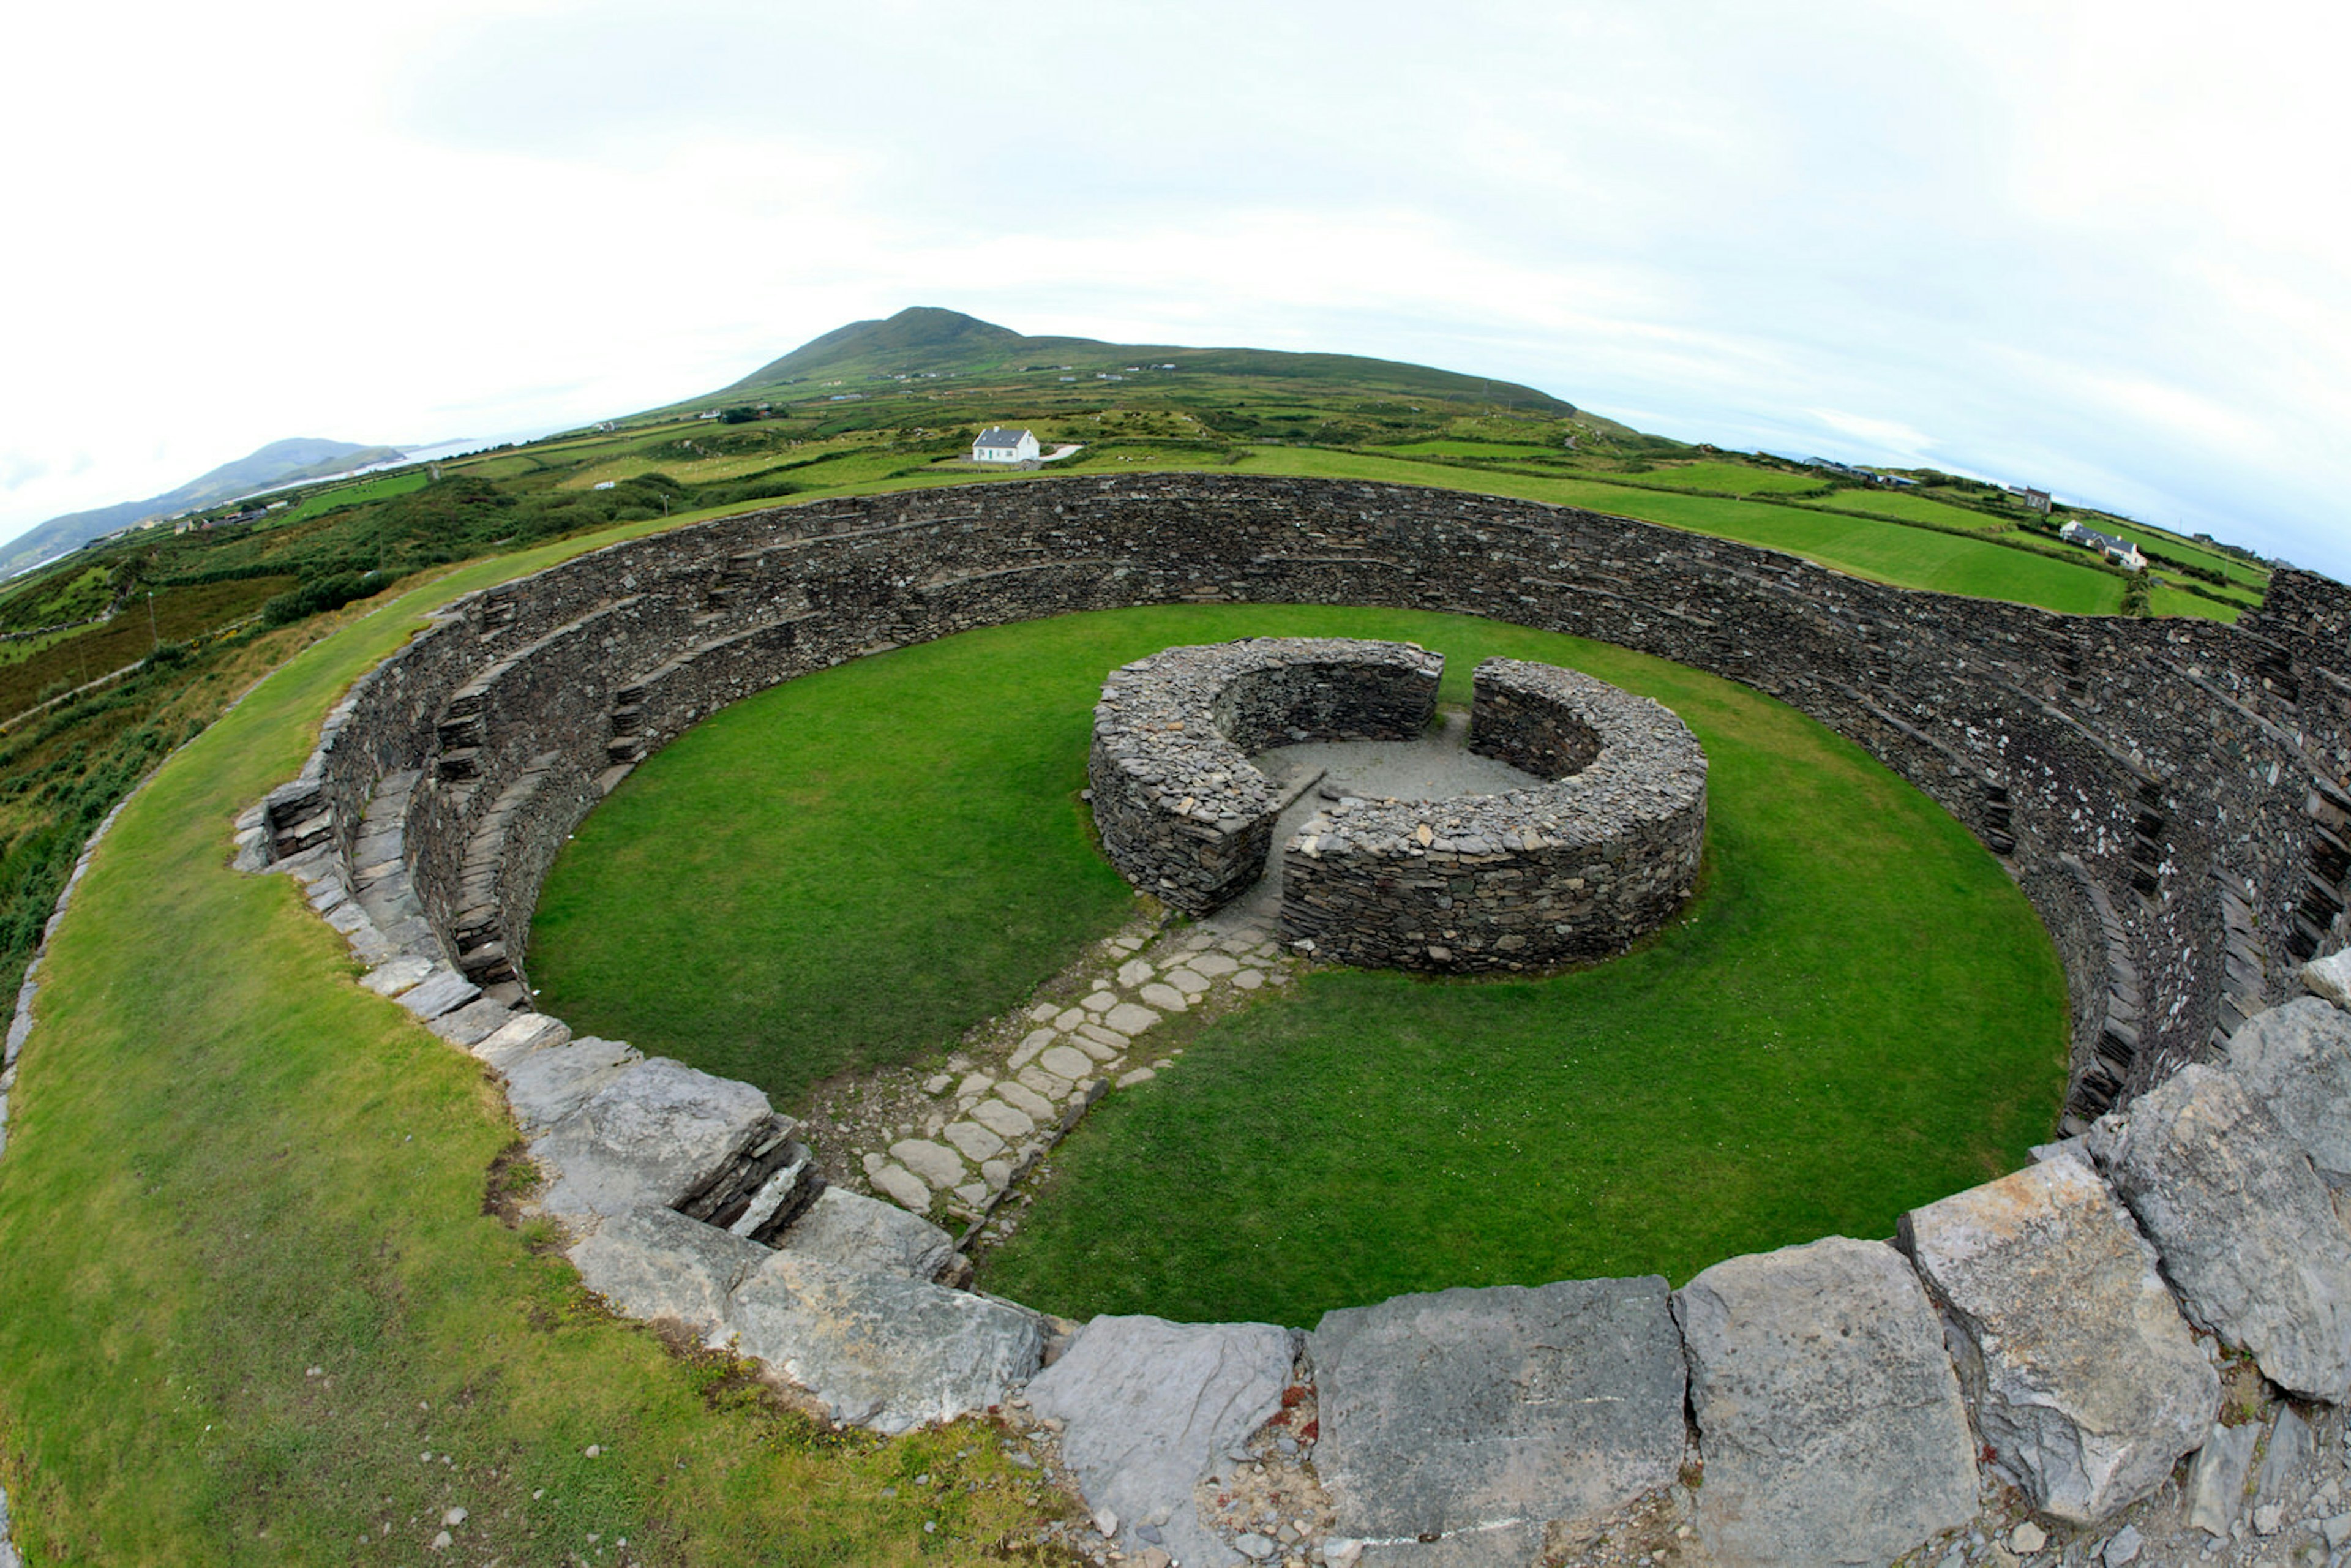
(2095, 247)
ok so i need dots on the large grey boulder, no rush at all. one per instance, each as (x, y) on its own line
(1456, 1424)
(2246, 1229)
(546, 1086)
(2085, 1380)
(1828, 1413)
(1150, 1407)
(2295, 1060)
(654, 1135)
(653, 1263)
(882, 1349)
(859, 1233)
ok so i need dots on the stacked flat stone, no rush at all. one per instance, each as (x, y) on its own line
(1578, 867)
(1182, 813)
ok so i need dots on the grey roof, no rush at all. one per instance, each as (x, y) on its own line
(2105, 541)
(997, 436)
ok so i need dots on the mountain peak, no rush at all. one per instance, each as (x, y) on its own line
(919, 338)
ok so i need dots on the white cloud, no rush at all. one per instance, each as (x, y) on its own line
(2083, 245)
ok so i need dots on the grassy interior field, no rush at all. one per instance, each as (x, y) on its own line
(1860, 1013)
(228, 1166)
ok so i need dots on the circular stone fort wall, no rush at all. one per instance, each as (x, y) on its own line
(1576, 867)
(2170, 794)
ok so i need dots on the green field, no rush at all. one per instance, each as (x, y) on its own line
(1731, 479)
(1885, 552)
(378, 488)
(1861, 1014)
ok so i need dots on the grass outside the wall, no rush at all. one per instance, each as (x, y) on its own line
(229, 1165)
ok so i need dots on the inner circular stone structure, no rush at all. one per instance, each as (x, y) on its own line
(1603, 850)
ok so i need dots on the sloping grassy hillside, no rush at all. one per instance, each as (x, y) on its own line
(255, 1310)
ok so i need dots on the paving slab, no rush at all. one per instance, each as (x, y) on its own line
(903, 1188)
(2295, 1060)
(549, 1085)
(442, 992)
(974, 1142)
(1066, 1061)
(1452, 1423)
(1150, 1407)
(859, 1232)
(655, 1134)
(518, 1036)
(1828, 1413)
(2248, 1232)
(653, 1263)
(1007, 1122)
(1130, 1019)
(1028, 1102)
(881, 1349)
(2084, 1378)
(934, 1163)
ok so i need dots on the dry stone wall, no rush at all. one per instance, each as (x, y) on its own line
(1182, 813)
(1576, 868)
(2170, 794)
(2194, 771)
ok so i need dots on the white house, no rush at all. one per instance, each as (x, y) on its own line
(997, 445)
(2121, 551)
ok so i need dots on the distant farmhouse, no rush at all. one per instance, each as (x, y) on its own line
(2122, 552)
(997, 445)
(2036, 499)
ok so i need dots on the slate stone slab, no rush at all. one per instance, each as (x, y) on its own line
(545, 1088)
(2084, 1378)
(2216, 1481)
(859, 1233)
(1466, 1413)
(519, 1036)
(401, 974)
(1828, 1414)
(442, 992)
(1151, 1407)
(882, 1349)
(656, 1263)
(473, 1023)
(654, 1135)
(2295, 1060)
(2246, 1229)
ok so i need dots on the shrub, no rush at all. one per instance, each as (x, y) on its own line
(315, 598)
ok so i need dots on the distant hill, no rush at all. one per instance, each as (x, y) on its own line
(925, 339)
(279, 463)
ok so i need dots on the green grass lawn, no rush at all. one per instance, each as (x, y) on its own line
(228, 1165)
(1862, 1014)
(379, 488)
(1885, 552)
(1732, 478)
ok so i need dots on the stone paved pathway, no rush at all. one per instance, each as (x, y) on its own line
(956, 1144)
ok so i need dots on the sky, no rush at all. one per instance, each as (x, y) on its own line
(2097, 248)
